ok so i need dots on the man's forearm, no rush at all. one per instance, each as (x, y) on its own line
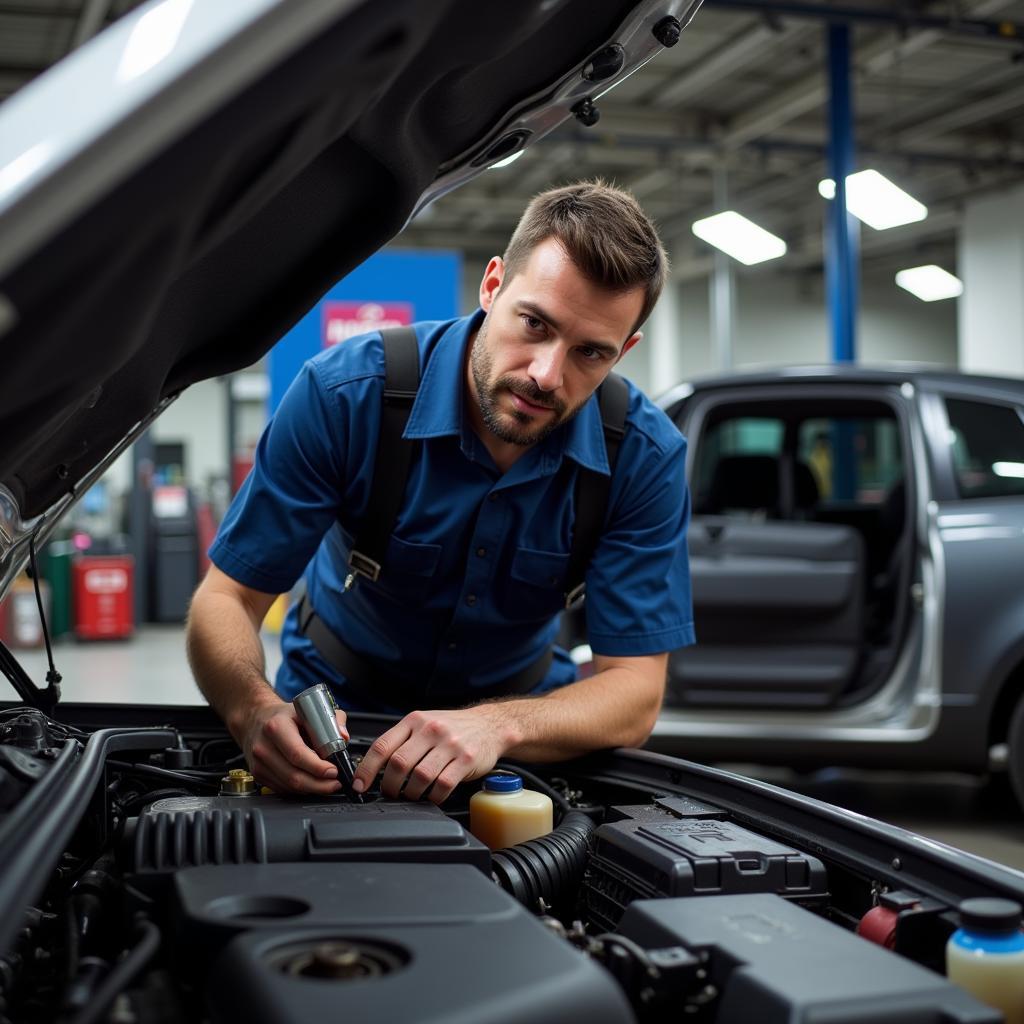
(226, 655)
(616, 707)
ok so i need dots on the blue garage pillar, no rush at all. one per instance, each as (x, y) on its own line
(841, 232)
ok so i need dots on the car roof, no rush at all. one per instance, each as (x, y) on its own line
(923, 376)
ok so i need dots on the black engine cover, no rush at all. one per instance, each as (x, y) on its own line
(380, 942)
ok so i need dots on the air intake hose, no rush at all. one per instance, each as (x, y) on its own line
(548, 868)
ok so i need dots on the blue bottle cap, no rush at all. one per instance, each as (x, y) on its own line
(503, 782)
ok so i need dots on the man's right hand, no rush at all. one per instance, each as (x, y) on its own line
(279, 756)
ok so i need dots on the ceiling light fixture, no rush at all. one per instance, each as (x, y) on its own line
(874, 199)
(739, 237)
(930, 283)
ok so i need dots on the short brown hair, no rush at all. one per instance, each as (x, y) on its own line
(603, 231)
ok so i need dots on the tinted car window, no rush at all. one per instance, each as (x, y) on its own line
(851, 458)
(735, 439)
(988, 448)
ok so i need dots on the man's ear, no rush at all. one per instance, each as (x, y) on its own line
(490, 283)
(630, 343)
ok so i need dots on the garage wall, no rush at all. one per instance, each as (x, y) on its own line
(782, 319)
(199, 419)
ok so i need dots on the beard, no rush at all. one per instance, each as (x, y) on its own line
(514, 426)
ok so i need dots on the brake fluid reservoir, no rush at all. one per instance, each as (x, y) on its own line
(503, 813)
(986, 955)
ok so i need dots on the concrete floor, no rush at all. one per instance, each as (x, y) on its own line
(961, 811)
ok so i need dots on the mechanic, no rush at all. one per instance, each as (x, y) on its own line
(457, 631)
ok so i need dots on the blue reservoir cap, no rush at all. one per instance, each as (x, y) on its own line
(503, 782)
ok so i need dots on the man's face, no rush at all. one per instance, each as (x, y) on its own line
(549, 338)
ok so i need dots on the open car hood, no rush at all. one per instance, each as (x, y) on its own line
(179, 192)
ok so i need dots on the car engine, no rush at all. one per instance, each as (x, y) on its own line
(157, 883)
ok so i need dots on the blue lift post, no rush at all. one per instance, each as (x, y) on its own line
(841, 249)
(841, 254)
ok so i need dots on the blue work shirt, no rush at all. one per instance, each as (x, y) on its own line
(475, 571)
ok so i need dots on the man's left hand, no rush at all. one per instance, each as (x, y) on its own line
(435, 750)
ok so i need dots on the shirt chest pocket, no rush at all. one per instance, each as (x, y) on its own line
(409, 569)
(536, 586)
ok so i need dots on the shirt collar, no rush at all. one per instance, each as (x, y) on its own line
(437, 410)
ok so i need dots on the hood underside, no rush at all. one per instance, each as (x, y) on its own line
(224, 188)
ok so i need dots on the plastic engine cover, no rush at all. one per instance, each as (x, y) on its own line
(380, 942)
(776, 963)
(181, 832)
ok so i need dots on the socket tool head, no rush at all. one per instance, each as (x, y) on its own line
(315, 707)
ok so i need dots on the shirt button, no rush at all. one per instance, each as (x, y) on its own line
(480, 552)
(492, 496)
(471, 599)
(452, 645)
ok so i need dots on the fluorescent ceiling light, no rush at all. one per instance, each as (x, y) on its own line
(1014, 469)
(930, 283)
(874, 199)
(742, 239)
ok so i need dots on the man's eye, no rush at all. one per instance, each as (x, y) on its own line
(591, 355)
(533, 323)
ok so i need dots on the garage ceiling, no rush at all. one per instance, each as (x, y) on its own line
(938, 94)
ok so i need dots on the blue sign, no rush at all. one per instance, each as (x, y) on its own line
(391, 288)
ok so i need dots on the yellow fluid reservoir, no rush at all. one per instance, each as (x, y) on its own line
(503, 813)
(986, 955)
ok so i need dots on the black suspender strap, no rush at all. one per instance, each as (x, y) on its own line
(593, 489)
(393, 457)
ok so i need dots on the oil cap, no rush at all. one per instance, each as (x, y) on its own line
(990, 916)
(238, 782)
(503, 782)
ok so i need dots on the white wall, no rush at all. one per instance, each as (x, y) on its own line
(198, 419)
(782, 318)
(991, 266)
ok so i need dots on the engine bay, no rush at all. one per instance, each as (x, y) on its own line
(145, 881)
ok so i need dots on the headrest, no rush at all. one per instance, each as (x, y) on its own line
(745, 482)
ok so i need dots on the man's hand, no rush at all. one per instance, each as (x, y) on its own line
(278, 754)
(435, 750)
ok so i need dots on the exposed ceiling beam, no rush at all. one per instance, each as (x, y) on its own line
(726, 59)
(960, 117)
(90, 20)
(810, 92)
(960, 22)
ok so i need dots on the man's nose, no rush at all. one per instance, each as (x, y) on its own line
(547, 367)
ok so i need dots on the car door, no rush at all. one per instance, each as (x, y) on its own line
(979, 470)
(799, 499)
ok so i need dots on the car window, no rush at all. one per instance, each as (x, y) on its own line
(987, 442)
(852, 459)
(734, 437)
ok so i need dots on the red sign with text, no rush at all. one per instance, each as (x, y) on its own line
(343, 320)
